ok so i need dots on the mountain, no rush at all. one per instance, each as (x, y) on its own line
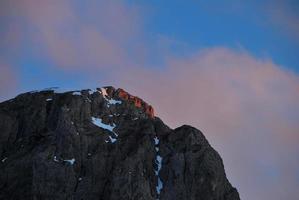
(102, 144)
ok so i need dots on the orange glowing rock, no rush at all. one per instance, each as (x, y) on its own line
(139, 103)
(149, 110)
(123, 94)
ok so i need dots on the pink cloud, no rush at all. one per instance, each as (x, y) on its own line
(92, 38)
(247, 107)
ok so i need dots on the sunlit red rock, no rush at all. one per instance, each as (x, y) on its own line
(139, 103)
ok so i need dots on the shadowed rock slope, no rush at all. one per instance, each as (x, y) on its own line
(102, 144)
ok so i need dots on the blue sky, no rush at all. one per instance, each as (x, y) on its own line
(236, 24)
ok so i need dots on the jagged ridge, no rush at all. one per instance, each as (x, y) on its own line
(102, 144)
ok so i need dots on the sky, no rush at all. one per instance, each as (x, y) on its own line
(229, 68)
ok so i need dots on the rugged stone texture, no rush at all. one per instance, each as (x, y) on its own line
(50, 148)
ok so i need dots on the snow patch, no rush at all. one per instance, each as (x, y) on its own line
(49, 99)
(76, 93)
(104, 92)
(109, 101)
(113, 102)
(159, 187)
(92, 91)
(56, 90)
(71, 161)
(33, 91)
(112, 139)
(158, 162)
(59, 90)
(99, 122)
(87, 99)
(156, 139)
(55, 159)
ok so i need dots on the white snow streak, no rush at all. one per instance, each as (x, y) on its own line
(159, 186)
(158, 161)
(57, 90)
(99, 122)
(92, 91)
(55, 159)
(156, 140)
(104, 92)
(110, 101)
(71, 161)
(76, 93)
(87, 99)
(113, 102)
(112, 139)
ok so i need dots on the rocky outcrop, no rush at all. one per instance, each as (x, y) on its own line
(102, 144)
(139, 103)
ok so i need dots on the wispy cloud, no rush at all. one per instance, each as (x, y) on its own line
(98, 35)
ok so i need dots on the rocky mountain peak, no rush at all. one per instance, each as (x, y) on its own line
(102, 144)
(121, 94)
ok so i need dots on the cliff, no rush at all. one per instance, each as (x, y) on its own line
(102, 144)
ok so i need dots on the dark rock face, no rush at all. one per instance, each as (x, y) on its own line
(102, 144)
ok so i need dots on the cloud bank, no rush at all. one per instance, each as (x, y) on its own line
(247, 107)
(73, 34)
